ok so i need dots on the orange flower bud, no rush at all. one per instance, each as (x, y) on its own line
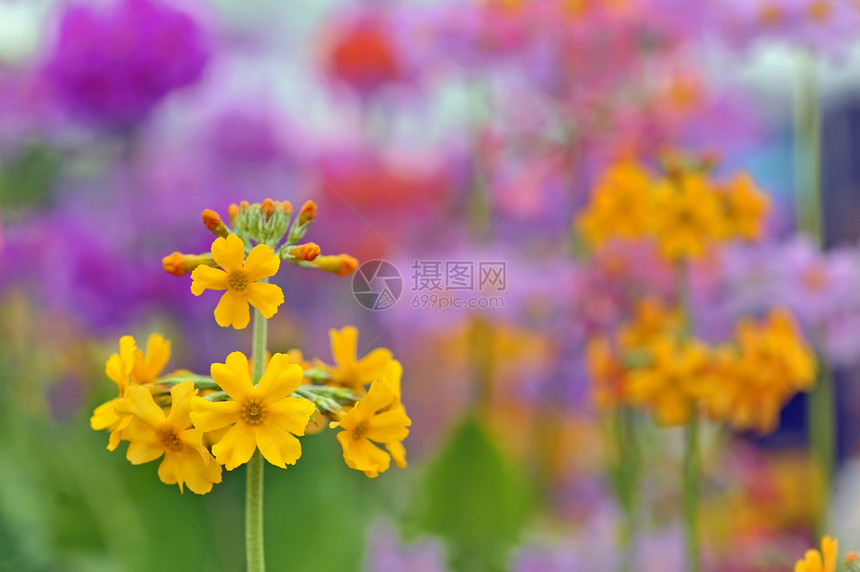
(180, 264)
(173, 264)
(243, 206)
(349, 264)
(288, 206)
(308, 213)
(308, 251)
(852, 558)
(268, 208)
(213, 222)
(233, 211)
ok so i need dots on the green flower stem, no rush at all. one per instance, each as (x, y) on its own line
(254, 555)
(807, 159)
(691, 494)
(810, 219)
(822, 438)
(691, 438)
(626, 480)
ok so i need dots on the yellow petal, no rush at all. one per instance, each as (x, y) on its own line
(343, 345)
(261, 263)
(198, 473)
(214, 415)
(363, 455)
(291, 414)
(372, 366)
(279, 447)
(228, 253)
(392, 374)
(180, 405)
(232, 309)
(207, 278)
(265, 297)
(280, 379)
(389, 426)
(104, 415)
(236, 447)
(139, 403)
(397, 452)
(144, 445)
(169, 471)
(157, 354)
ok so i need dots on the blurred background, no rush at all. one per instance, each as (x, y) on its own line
(431, 134)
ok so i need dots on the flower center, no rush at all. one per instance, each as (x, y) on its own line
(170, 441)
(253, 414)
(359, 431)
(238, 280)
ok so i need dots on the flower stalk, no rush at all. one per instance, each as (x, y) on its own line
(810, 219)
(254, 554)
(691, 438)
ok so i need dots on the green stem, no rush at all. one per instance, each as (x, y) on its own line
(822, 438)
(626, 483)
(691, 437)
(254, 554)
(810, 218)
(691, 495)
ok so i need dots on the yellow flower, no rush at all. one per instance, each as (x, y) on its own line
(745, 208)
(688, 216)
(620, 207)
(755, 377)
(824, 561)
(240, 278)
(118, 369)
(671, 384)
(130, 367)
(374, 418)
(264, 417)
(151, 434)
(349, 371)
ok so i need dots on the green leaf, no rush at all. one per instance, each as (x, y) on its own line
(475, 500)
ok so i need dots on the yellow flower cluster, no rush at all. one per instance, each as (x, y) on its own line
(179, 415)
(745, 382)
(199, 424)
(685, 212)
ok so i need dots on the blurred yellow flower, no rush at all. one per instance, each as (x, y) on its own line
(148, 367)
(824, 561)
(621, 206)
(756, 376)
(264, 417)
(376, 417)
(349, 371)
(151, 434)
(688, 216)
(671, 383)
(745, 208)
(240, 278)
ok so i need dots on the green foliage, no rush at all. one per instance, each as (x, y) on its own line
(474, 499)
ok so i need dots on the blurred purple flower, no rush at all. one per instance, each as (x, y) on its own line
(387, 553)
(114, 66)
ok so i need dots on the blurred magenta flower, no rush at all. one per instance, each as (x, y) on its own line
(114, 66)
